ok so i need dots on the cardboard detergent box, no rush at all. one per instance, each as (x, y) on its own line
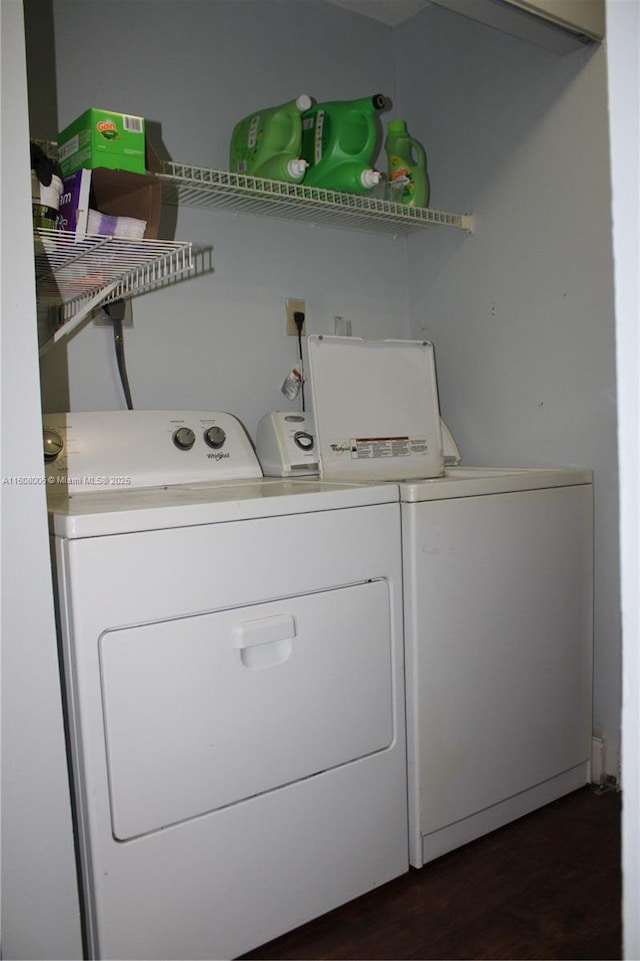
(103, 138)
(103, 195)
(111, 202)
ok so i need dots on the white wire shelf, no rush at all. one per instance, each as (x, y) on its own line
(223, 190)
(71, 273)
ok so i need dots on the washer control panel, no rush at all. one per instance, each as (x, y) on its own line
(112, 450)
(286, 444)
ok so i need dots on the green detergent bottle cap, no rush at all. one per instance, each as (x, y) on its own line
(296, 168)
(397, 126)
(370, 178)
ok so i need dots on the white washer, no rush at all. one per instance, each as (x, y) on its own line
(497, 597)
(234, 674)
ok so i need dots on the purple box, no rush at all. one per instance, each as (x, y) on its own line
(74, 202)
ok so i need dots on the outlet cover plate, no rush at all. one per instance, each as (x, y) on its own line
(292, 307)
(102, 319)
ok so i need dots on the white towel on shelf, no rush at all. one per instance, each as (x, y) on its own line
(107, 226)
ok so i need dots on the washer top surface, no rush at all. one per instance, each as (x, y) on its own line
(475, 481)
(459, 482)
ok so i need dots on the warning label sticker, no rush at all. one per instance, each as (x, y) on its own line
(369, 448)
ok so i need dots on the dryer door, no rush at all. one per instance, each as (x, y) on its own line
(206, 711)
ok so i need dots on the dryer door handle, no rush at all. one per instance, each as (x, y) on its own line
(265, 641)
(264, 630)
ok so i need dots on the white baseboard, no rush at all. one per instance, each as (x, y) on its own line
(598, 757)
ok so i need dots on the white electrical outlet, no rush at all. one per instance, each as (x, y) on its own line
(292, 307)
(341, 327)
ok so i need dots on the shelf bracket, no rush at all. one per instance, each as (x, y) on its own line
(78, 318)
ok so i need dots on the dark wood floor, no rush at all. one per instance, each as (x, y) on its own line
(547, 886)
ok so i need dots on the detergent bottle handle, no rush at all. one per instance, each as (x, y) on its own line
(420, 152)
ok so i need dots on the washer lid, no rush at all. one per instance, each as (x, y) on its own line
(376, 408)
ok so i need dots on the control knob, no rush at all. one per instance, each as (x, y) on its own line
(184, 438)
(52, 444)
(214, 437)
(303, 440)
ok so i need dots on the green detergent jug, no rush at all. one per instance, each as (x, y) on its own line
(339, 142)
(407, 164)
(268, 143)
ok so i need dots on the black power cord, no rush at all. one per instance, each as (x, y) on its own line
(298, 318)
(115, 312)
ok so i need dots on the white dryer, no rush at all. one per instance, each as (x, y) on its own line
(233, 661)
(497, 597)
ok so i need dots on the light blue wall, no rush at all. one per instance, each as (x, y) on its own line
(623, 42)
(219, 342)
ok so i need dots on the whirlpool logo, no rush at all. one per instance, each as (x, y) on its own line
(219, 455)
